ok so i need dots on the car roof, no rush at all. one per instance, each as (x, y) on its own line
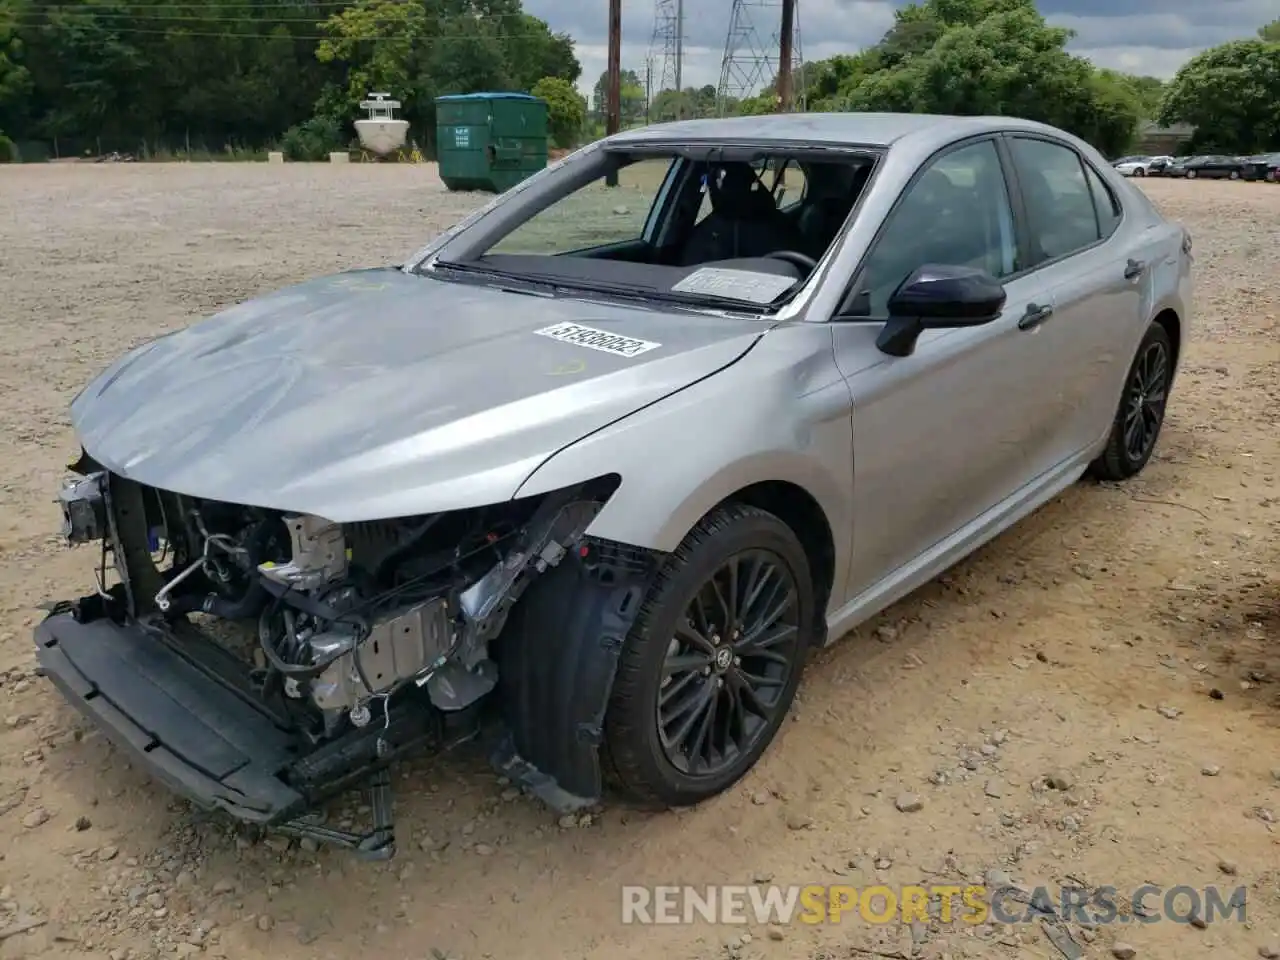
(831, 129)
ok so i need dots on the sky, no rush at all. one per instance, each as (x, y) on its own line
(1152, 37)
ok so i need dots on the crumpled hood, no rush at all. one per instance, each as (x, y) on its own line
(377, 394)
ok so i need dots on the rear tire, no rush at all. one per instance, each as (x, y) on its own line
(1140, 413)
(1234, 175)
(1191, 174)
(684, 663)
(1139, 172)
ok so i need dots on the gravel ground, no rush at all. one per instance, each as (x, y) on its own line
(1092, 699)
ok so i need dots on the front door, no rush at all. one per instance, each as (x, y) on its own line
(942, 436)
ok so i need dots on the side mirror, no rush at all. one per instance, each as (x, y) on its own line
(939, 296)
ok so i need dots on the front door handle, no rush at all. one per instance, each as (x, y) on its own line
(1034, 316)
(1133, 268)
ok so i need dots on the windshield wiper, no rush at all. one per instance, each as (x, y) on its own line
(561, 285)
(683, 299)
(513, 282)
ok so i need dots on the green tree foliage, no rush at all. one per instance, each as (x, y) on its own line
(631, 96)
(566, 109)
(439, 47)
(687, 104)
(90, 75)
(1230, 95)
(976, 57)
(15, 80)
(1271, 31)
(313, 139)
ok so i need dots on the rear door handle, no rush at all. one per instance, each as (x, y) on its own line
(1034, 316)
(1133, 268)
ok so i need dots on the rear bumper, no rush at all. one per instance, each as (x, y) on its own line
(180, 724)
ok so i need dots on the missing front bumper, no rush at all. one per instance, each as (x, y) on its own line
(188, 728)
(181, 725)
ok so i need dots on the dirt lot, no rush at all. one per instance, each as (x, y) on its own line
(1120, 642)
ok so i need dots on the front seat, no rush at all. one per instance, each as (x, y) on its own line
(833, 192)
(744, 220)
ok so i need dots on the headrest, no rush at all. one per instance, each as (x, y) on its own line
(736, 191)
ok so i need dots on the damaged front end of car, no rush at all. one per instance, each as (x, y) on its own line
(259, 661)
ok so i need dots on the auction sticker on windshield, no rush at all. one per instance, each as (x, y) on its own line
(601, 340)
(745, 285)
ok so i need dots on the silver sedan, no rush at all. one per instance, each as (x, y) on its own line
(606, 460)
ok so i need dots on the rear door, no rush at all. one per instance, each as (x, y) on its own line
(1097, 270)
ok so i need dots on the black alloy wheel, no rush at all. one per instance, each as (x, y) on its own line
(711, 665)
(732, 655)
(1139, 416)
(1146, 394)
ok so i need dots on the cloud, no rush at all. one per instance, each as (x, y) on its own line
(1143, 36)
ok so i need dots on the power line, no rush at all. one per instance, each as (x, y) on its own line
(89, 12)
(177, 32)
(243, 4)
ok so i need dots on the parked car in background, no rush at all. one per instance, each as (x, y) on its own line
(1263, 166)
(1136, 166)
(1221, 167)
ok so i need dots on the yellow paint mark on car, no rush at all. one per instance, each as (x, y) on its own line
(568, 369)
(360, 286)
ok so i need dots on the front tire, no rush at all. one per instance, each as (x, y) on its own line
(1191, 174)
(1140, 414)
(712, 663)
(1234, 175)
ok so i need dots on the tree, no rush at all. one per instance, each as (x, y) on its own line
(630, 95)
(687, 104)
(15, 79)
(566, 109)
(992, 57)
(1228, 93)
(123, 75)
(1147, 91)
(430, 48)
(1271, 31)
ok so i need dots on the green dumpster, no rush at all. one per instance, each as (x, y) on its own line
(490, 141)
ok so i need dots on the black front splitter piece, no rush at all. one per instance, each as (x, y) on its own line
(187, 727)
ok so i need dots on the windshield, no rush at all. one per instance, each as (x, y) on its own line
(741, 228)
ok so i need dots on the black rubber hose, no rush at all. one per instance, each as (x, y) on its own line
(248, 604)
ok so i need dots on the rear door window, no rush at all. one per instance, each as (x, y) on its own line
(1060, 205)
(1104, 201)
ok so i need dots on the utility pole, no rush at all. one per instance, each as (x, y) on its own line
(784, 55)
(679, 59)
(613, 93)
(648, 89)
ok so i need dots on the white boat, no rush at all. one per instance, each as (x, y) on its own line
(380, 132)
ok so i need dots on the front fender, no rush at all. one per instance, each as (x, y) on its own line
(781, 413)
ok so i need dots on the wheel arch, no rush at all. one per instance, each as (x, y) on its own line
(801, 512)
(558, 655)
(798, 490)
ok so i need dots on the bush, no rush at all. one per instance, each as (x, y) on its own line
(313, 140)
(8, 150)
(566, 110)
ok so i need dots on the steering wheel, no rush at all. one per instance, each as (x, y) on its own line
(795, 258)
